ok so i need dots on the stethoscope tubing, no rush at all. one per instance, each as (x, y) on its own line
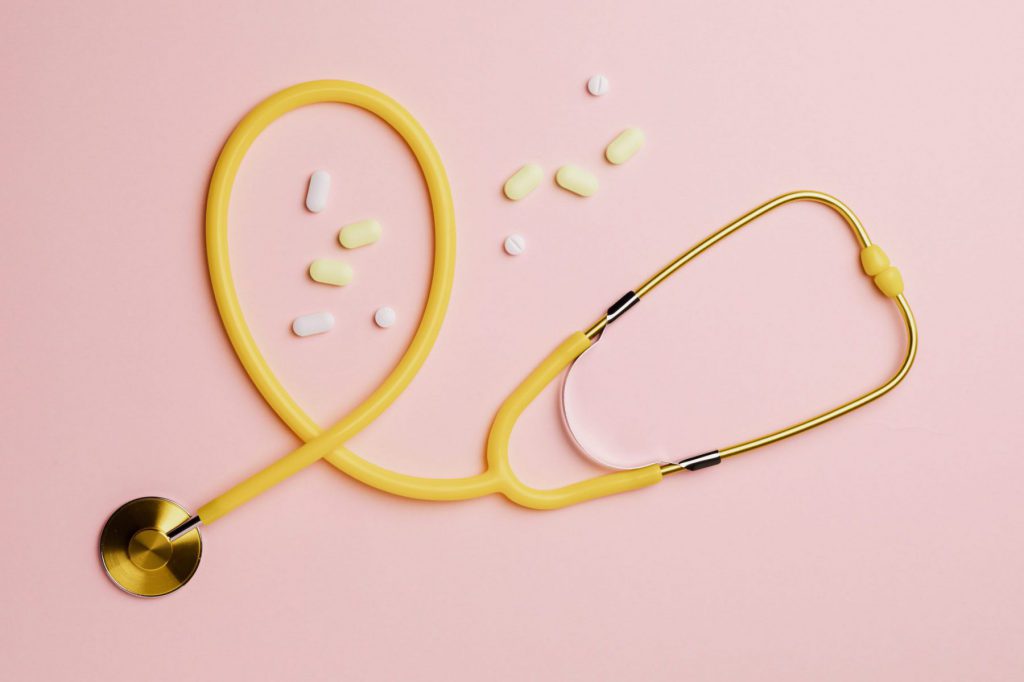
(499, 476)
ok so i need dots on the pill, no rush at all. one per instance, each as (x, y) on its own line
(316, 195)
(597, 85)
(523, 181)
(384, 317)
(314, 323)
(576, 180)
(359, 234)
(624, 146)
(515, 244)
(327, 271)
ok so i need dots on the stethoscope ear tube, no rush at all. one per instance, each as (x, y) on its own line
(875, 264)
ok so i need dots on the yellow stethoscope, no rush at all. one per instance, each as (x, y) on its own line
(151, 546)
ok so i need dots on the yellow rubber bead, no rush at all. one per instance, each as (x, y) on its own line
(890, 282)
(873, 260)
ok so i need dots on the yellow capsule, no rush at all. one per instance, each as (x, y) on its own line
(576, 180)
(334, 272)
(890, 282)
(873, 260)
(523, 181)
(624, 146)
(359, 234)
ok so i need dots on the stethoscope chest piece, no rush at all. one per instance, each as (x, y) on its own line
(139, 556)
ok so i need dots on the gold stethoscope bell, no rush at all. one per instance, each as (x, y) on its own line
(137, 554)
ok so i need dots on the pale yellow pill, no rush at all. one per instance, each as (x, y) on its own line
(327, 271)
(359, 234)
(623, 147)
(576, 180)
(523, 181)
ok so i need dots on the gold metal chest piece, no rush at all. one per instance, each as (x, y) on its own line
(137, 554)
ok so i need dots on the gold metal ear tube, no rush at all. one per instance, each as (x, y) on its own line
(875, 264)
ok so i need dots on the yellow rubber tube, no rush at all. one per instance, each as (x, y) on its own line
(328, 444)
(501, 432)
(320, 444)
(499, 476)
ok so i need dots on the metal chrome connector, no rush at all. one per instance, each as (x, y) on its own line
(184, 527)
(702, 461)
(617, 309)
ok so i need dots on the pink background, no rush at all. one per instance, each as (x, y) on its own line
(887, 545)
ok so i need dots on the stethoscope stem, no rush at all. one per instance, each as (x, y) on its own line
(702, 461)
(184, 527)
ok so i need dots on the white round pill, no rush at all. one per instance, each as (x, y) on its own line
(384, 317)
(515, 244)
(597, 85)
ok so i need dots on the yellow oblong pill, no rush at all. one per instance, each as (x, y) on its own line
(577, 180)
(333, 272)
(359, 234)
(523, 181)
(624, 146)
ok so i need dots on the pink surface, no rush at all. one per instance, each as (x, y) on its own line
(884, 546)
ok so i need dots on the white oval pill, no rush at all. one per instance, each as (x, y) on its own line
(624, 146)
(576, 180)
(316, 194)
(314, 323)
(359, 234)
(523, 181)
(597, 85)
(384, 317)
(515, 244)
(327, 271)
